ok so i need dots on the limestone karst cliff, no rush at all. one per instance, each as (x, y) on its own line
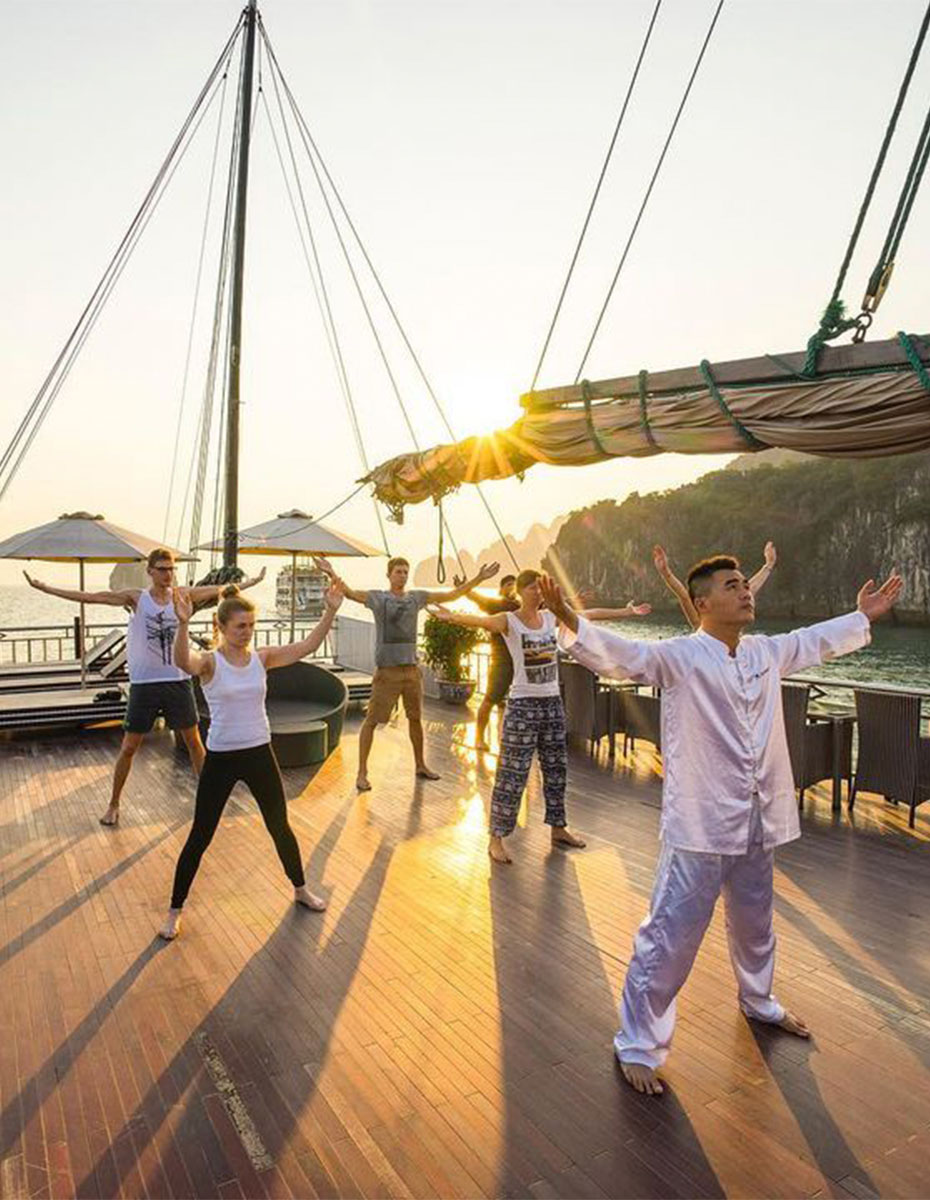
(835, 523)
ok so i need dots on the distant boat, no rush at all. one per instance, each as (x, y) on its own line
(311, 588)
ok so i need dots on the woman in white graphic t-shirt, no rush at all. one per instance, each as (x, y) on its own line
(534, 720)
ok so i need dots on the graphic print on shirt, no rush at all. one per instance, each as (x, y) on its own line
(397, 622)
(539, 658)
(159, 635)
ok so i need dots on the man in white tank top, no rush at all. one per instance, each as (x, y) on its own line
(156, 686)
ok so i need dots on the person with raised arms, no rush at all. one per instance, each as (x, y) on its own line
(500, 667)
(395, 611)
(680, 592)
(727, 795)
(233, 678)
(157, 686)
(534, 719)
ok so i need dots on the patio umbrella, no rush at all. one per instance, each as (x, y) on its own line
(82, 538)
(294, 533)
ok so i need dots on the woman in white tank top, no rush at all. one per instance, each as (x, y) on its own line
(234, 680)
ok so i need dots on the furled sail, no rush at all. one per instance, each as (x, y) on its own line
(864, 401)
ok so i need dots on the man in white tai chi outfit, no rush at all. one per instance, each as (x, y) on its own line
(728, 793)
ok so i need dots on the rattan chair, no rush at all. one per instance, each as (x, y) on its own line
(810, 744)
(893, 759)
(637, 716)
(587, 706)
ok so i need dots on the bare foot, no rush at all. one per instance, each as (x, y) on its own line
(497, 851)
(111, 816)
(643, 1079)
(305, 897)
(563, 836)
(362, 784)
(789, 1022)
(172, 925)
(792, 1024)
(426, 773)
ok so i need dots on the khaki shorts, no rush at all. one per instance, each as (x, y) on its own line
(388, 685)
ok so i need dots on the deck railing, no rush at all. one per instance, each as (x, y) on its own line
(62, 643)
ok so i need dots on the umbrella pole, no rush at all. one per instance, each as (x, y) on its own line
(293, 593)
(83, 628)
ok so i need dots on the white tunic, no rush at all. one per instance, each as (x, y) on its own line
(236, 696)
(723, 732)
(150, 642)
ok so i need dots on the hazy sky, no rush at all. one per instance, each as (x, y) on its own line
(466, 136)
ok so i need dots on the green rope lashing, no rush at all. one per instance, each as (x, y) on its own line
(914, 359)
(833, 322)
(751, 441)
(589, 418)
(643, 410)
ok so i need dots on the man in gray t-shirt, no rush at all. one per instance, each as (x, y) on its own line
(395, 611)
(396, 625)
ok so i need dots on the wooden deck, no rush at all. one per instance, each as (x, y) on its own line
(445, 1028)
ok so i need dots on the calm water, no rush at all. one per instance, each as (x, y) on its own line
(896, 655)
(25, 606)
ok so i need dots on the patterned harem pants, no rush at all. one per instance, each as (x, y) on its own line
(530, 724)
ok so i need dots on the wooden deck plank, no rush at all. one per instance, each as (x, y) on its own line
(444, 1028)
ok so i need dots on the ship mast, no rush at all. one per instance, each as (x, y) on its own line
(230, 539)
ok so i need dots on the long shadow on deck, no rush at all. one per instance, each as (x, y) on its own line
(564, 1095)
(22, 1108)
(800, 1088)
(73, 903)
(273, 1062)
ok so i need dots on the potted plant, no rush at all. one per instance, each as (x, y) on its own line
(445, 646)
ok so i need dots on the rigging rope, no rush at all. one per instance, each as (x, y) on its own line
(652, 182)
(321, 292)
(834, 320)
(880, 277)
(195, 305)
(315, 157)
(597, 190)
(391, 309)
(97, 308)
(306, 525)
(42, 403)
(277, 75)
(218, 335)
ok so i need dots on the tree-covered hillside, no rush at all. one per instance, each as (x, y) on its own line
(835, 523)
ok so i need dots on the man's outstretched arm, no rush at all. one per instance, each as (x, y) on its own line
(816, 644)
(447, 595)
(617, 614)
(125, 598)
(604, 651)
(203, 595)
(360, 597)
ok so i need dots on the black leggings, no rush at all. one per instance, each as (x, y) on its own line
(222, 770)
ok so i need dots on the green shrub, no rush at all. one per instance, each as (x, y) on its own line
(445, 646)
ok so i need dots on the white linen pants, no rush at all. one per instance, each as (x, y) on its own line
(686, 888)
